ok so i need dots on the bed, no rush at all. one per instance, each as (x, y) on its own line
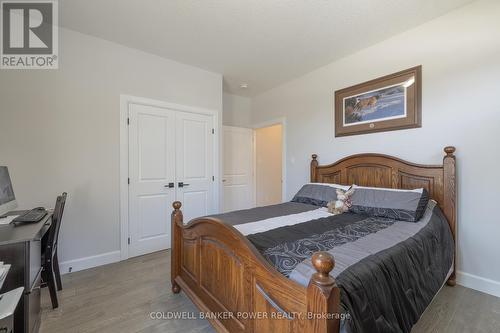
(246, 277)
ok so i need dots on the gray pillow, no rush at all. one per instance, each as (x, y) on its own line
(403, 205)
(318, 194)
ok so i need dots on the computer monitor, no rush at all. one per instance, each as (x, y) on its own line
(7, 198)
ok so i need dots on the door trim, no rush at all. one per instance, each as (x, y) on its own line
(277, 121)
(125, 100)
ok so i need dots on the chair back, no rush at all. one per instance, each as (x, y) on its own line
(55, 226)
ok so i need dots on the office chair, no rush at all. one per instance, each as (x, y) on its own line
(51, 275)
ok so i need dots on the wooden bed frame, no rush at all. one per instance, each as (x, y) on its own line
(225, 275)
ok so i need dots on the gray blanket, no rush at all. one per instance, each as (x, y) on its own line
(388, 270)
(263, 213)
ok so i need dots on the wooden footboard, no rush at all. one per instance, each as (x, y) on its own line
(239, 291)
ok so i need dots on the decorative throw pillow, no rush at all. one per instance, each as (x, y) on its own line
(404, 205)
(343, 202)
(318, 194)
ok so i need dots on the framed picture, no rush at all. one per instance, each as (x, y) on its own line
(388, 103)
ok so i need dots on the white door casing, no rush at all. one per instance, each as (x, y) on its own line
(151, 169)
(238, 168)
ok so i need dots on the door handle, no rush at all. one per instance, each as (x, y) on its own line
(170, 185)
(181, 184)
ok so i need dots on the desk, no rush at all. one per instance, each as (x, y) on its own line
(21, 246)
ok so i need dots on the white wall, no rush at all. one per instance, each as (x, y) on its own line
(460, 55)
(59, 131)
(237, 111)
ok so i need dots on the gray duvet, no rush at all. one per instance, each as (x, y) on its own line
(264, 213)
(388, 271)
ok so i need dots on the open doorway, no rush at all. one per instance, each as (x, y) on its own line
(254, 165)
(269, 165)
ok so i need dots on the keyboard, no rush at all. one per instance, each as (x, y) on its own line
(31, 216)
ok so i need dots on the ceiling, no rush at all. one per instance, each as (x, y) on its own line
(260, 42)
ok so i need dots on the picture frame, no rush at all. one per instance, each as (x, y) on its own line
(388, 103)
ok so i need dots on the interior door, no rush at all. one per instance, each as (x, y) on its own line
(194, 164)
(238, 179)
(152, 177)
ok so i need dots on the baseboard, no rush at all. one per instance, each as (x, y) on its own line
(89, 262)
(484, 285)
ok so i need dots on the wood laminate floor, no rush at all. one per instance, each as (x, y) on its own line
(120, 297)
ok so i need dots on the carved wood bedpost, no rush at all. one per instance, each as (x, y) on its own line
(314, 165)
(323, 296)
(450, 201)
(175, 256)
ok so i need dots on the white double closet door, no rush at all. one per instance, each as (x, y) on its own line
(170, 158)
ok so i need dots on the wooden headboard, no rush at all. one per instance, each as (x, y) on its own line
(379, 170)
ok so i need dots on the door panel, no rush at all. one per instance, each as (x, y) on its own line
(151, 168)
(152, 209)
(194, 149)
(152, 149)
(238, 168)
(194, 164)
(197, 202)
